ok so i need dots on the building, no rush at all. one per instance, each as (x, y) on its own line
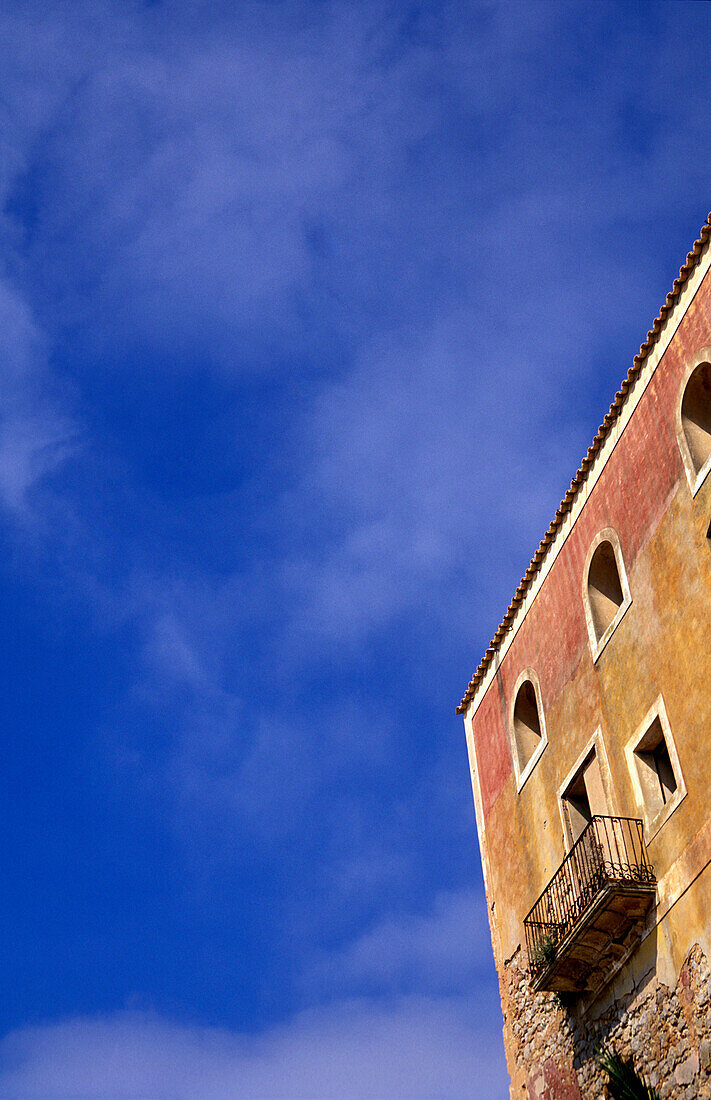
(588, 726)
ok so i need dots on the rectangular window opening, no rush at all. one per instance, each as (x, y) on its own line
(654, 768)
(584, 797)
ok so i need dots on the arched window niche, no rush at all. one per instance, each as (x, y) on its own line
(693, 419)
(606, 591)
(528, 726)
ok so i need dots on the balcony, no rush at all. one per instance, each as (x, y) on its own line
(590, 913)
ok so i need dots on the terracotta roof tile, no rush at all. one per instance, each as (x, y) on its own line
(603, 431)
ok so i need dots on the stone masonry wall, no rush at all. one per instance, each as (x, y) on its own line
(551, 1048)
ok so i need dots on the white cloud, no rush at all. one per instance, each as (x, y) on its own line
(440, 951)
(36, 434)
(431, 451)
(202, 184)
(412, 1047)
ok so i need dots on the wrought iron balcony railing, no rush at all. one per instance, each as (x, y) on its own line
(580, 906)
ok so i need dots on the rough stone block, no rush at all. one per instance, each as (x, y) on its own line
(686, 1071)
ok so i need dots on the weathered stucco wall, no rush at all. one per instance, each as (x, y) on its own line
(660, 647)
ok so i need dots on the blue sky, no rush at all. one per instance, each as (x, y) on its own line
(308, 313)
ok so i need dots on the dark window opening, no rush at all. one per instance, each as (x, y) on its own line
(696, 415)
(527, 723)
(655, 769)
(604, 588)
(584, 797)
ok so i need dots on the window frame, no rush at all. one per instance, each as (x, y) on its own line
(522, 774)
(607, 534)
(694, 477)
(653, 822)
(597, 744)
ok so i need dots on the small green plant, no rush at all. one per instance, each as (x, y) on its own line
(623, 1082)
(544, 951)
